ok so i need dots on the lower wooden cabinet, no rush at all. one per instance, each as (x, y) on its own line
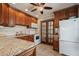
(29, 38)
(56, 43)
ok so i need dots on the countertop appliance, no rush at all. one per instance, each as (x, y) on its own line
(69, 37)
(37, 39)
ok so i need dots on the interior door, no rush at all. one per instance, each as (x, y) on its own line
(43, 32)
(47, 32)
(50, 32)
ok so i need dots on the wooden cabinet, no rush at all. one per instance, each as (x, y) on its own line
(66, 13)
(29, 38)
(0, 13)
(11, 17)
(23, 19)
(17, 21)
(33, 20)
(56, 42)
(72, 11)
(20, 18)
(5, 14)
(60, 14)
(28, 20)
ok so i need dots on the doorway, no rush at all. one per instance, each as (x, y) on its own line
(47, 31)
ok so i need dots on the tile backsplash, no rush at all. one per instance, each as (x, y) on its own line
(14, 30)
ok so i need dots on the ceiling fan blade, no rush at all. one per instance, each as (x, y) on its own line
(42, 3)
(33, 4)
(47, 7)
(41, 12)
(33, 10)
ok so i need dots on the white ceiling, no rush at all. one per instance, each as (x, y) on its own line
(47, 13)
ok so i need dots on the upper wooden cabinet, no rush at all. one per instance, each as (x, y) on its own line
(72, 11)
(5, 14)
(33, 20)
(65, 14)
(19, 18)
(17, 21)
(0, 13)
(60, 14)
(28, 20)
(11, 17)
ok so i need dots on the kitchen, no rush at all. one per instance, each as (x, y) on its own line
(14, 23)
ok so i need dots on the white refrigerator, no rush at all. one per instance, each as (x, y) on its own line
(69, 37)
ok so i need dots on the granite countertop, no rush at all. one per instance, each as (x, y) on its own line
(12, 46)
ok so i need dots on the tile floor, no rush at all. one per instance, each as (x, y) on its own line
(46, 50)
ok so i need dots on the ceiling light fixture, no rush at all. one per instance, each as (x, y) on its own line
(13, 3)
(26, 9)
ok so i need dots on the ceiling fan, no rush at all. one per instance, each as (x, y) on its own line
(40, 7)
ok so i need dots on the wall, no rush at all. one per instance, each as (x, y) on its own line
(6, 31)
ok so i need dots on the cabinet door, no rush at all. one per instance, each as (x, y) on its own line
(31, 38)
(21, 19)
(61, 14)
(5, 14)
(28, 20)
(0, 13)
(56, 43)
(17, 18)
(11, 17)
(71, 12)
(34, 20)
